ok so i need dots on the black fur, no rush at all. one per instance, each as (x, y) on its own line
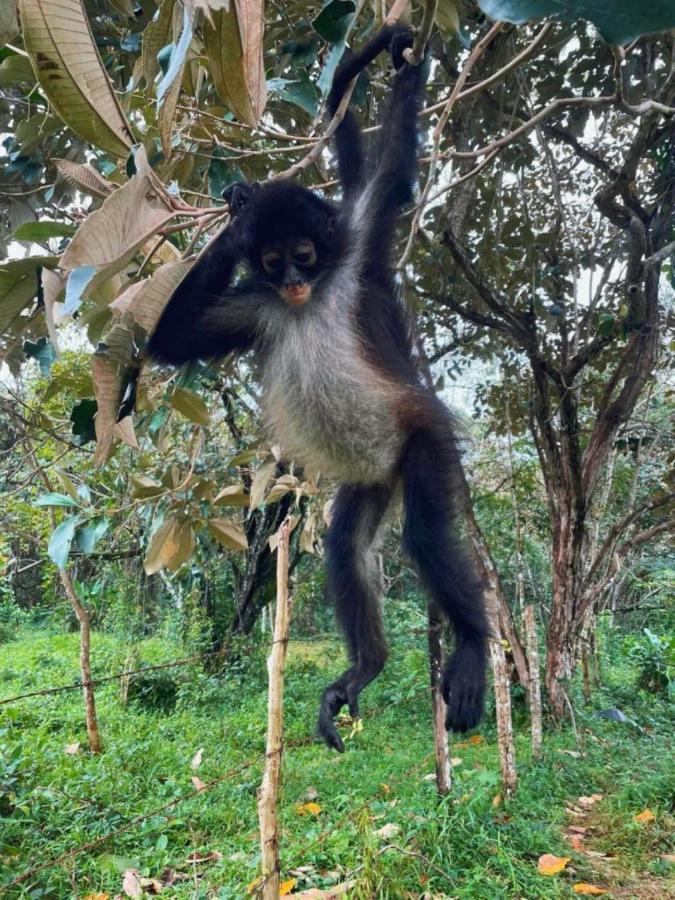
(209, 316)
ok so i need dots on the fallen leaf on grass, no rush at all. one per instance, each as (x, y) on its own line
(587, 802)
(72, 749)
(338, 890)
(96, 896)
(668, 858)
(310, 794)
(645, 816)
(152, 885)
(286, 887)
(456, 760)
(576, 842)
(197, 759)
(197, 784)
(131, 883)
(575, 754)
(497, 800)
(307, 809)
(549, 864)
(592, 889)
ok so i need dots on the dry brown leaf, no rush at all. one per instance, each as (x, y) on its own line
(198, 784)
(84, 177)
(61, 46)
(456, 760)
(152, 885)
(287, 886)
(52, 288)
(131, 883)
(232, 495)
(111, 235)
(190, 405)
(196, 760)
(229, 535)
(96, 896)
(645, 816)
(162, 547)
(581, 887)
(260, 481)
(587, 802)
(497, 800)
(124, 430)
(72, 749)
(234, 45)
(109, 365)
(549, 864)
(145, 300)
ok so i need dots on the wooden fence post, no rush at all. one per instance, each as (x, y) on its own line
(268, 792)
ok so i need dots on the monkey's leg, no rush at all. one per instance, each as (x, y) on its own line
(430, 465)
(353, 584)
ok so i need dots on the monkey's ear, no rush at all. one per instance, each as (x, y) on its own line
(237, 195)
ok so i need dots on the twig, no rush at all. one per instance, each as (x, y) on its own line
(475, 55)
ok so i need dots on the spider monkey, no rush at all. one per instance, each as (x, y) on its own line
(340, 389)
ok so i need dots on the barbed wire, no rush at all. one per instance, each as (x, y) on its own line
(137, 820)
(103, 679)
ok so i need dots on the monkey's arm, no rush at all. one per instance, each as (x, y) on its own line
(348, 141)
(391, 187)
(205, 316)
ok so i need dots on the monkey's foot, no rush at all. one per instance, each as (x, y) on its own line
(334, 698)
(464, 688)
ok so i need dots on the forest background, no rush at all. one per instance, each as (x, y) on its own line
(140, 505)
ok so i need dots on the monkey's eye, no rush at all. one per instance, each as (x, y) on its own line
(272, 262)
(305, 253)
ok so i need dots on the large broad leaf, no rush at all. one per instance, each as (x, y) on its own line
(231, 536)
(146, 300)
(332, 23)
(88, 536)
(234, 45)
(84, 177)
(109, 365)
(170, 546)
(618, 21)
(42, 231)
(54, 499)
(157, 35)
(18, 287)
(61, 46)
(61, 540)
(190, 405)
(128, 217)
(9, 25)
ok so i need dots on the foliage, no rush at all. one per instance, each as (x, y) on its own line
(471, 845)
(654, 659)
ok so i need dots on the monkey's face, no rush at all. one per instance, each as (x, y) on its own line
(291, 267)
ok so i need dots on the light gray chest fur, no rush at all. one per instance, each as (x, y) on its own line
(322, 403)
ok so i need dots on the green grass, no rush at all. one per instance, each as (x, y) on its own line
(462, 846)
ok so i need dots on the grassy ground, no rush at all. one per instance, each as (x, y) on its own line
(471, 845)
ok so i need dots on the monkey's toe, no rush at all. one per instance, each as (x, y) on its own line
(464, 688)
(331, 703)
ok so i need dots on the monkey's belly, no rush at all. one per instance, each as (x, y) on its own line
(338, 423)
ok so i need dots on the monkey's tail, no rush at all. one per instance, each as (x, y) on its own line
(432, 480)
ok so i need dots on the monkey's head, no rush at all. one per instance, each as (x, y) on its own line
(292, 237)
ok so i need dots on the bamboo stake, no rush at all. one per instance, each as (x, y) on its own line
(268, 792)
(535, 684)
(441, 744)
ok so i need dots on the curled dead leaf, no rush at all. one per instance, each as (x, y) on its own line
(581, 887)
(198, 784)
(550, 864)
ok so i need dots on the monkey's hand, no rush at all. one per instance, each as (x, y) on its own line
(401, 40)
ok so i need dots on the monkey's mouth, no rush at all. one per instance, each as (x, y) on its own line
(296, 294)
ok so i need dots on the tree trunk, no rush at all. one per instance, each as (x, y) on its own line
(535, 687)
(441, 743)
(93, 735)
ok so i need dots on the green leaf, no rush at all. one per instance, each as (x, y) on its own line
(190, 405)
(333, 20)
(619, 21)
(54, 499)
(88, 536)
(61, 540)
(301, 92)
(41, 231)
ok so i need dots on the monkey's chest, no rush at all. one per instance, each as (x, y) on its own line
(328, 409)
